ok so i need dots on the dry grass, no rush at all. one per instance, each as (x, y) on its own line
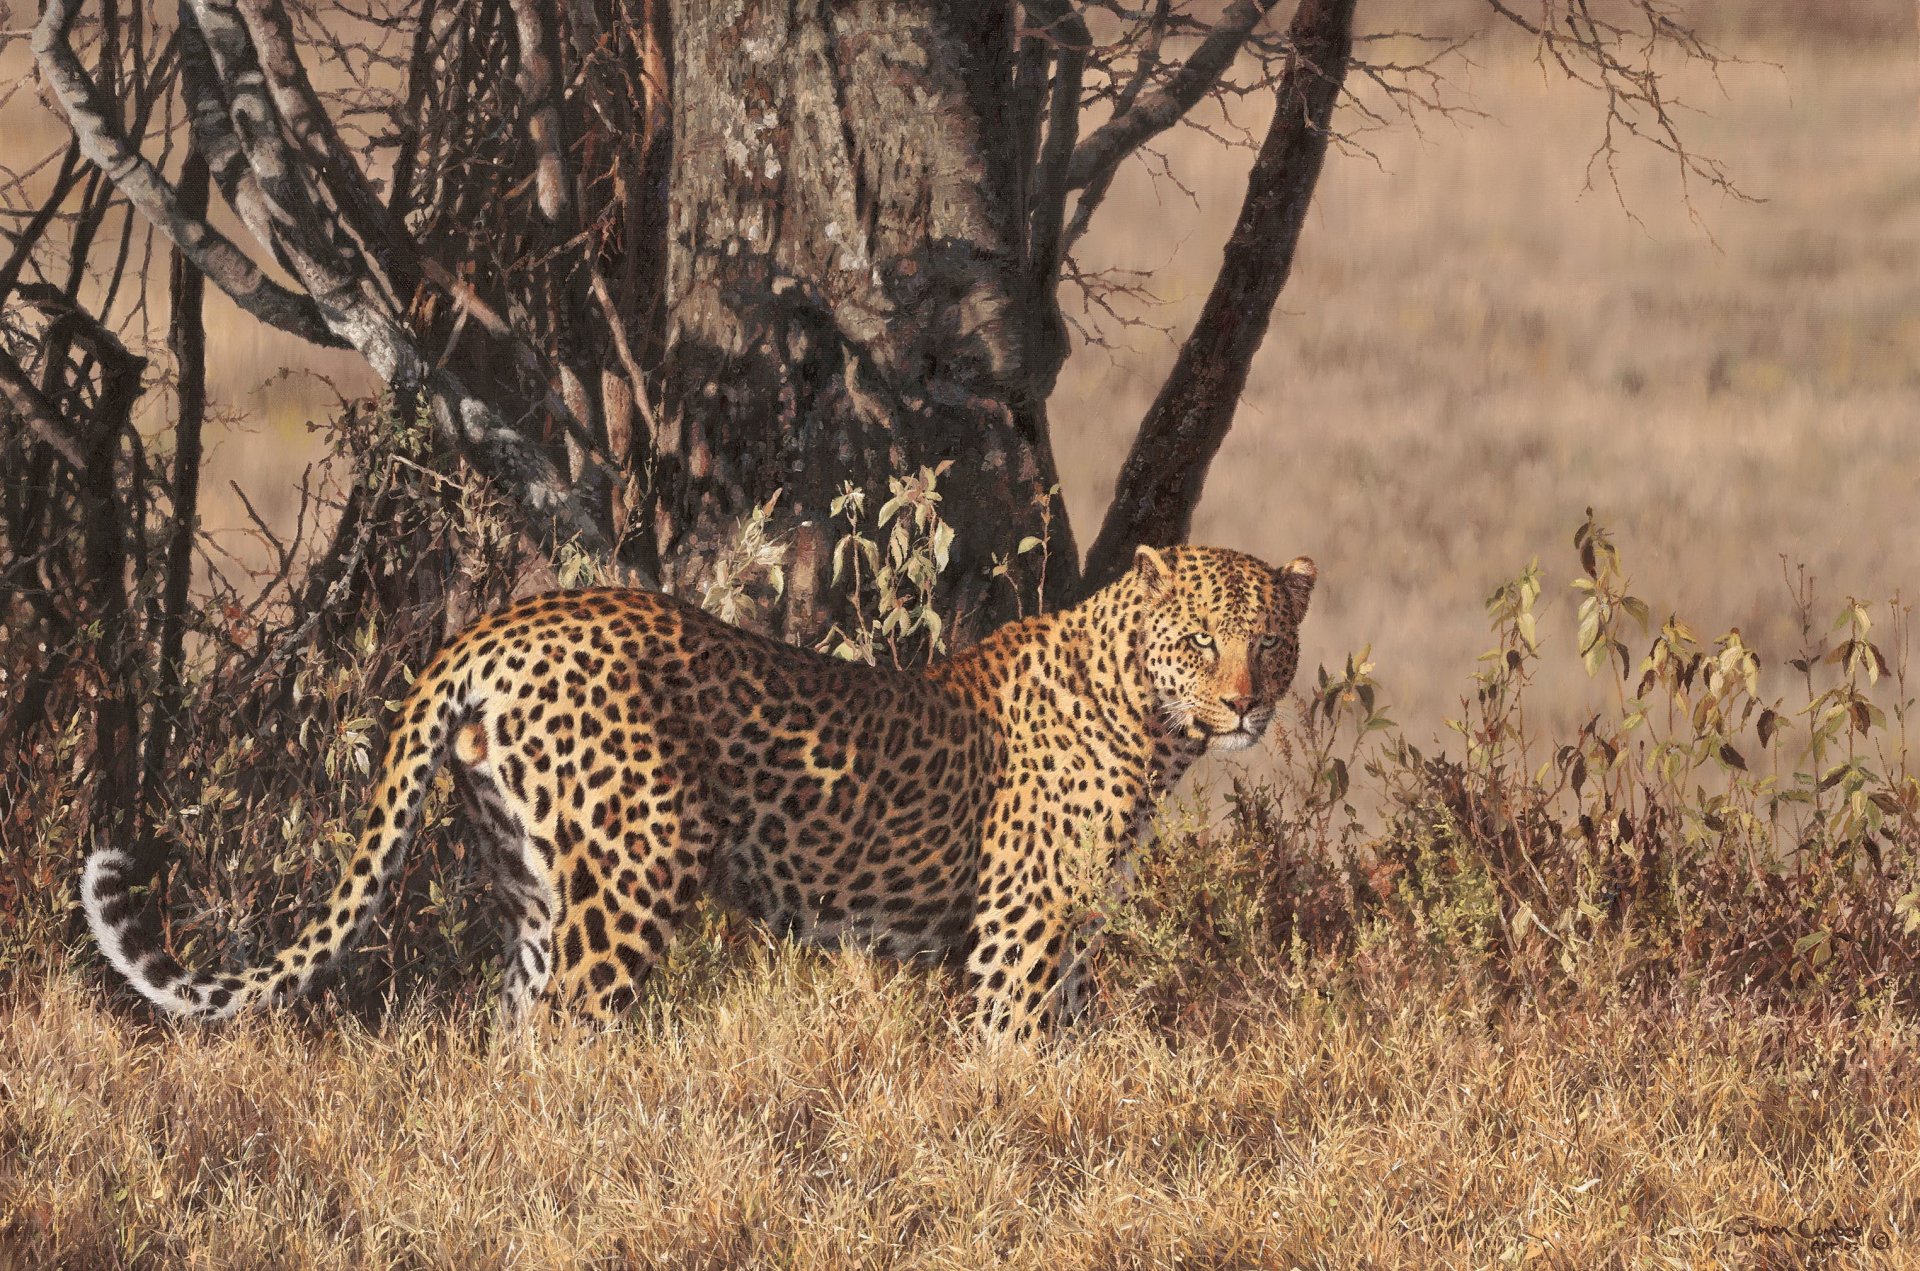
(818, 1114)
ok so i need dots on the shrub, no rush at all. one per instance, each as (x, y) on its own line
(1701, 833)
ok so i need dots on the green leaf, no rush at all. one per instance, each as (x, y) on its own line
(1594, 658)
(1337, 779)
(1815, 946)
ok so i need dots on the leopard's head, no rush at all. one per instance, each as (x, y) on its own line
(1221, 638)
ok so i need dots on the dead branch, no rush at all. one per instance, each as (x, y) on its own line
(42, 418)
(92, 120)
(1617, 61)
(187, 337)
(1152, 113)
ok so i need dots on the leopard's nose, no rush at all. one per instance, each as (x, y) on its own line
(1238, 705)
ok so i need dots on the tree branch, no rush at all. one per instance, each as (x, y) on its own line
(331, 267)
(1160, 483)
(42, 418)
(1067, 33)
(1095, 191)
(532, 28)
(380, 233)
(1155, 112)
(240, 125)
(1619, 63)
(101, 142)
(187, 335)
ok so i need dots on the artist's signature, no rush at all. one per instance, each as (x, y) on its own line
(1815, 1235)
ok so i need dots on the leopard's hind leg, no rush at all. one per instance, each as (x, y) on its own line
(636, 843)
(523, 892)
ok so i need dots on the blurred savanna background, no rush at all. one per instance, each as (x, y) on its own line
(1483, 337)
(1614, 969)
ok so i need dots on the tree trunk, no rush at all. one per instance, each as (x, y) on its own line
(845, 295)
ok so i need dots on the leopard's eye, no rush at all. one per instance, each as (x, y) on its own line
(1200, 640)
(1269, 641)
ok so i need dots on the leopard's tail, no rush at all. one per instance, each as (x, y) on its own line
(421, 737)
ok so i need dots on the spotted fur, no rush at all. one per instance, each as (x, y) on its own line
(619, 754)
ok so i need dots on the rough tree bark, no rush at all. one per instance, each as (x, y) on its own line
(845, 285)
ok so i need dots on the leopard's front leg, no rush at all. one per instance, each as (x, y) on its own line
(1020, 930)
(1035, 921)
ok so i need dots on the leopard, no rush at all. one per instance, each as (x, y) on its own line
(620, 754)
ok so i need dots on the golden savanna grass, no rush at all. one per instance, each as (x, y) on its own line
(1469, 354)
(822, 1113)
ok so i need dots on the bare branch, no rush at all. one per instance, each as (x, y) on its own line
(1160, 482)
(187, 337)
(1147, 63)
(1617, 62)
(1155, 112)
(91, 119)
(42, 418)
(1067, 32)
(384, 238)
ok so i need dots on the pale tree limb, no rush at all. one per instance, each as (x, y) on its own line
(1156, 96)
(352, 195)
(532, 24)
(310, 242)
(224, 264)
(24, 399)
(1161, 480)
(344, 257)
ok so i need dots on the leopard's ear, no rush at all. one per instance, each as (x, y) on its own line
(1297, 577)
(1152, 569)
